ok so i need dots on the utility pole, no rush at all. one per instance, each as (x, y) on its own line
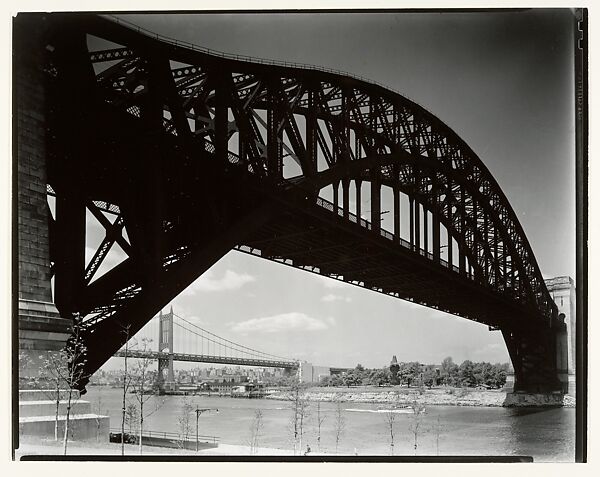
(199, 411)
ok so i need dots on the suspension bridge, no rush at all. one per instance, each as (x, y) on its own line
(202, 346)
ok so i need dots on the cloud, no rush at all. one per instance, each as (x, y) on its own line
(229, 281)
(330, 297)
(284, 322)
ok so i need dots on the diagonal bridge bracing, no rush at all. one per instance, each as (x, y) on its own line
(183, 155)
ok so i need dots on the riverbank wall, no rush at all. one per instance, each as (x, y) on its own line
(406, 396)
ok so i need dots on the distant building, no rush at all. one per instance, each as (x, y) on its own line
(308, 373)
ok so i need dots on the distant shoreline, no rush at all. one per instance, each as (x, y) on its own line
(401, 396)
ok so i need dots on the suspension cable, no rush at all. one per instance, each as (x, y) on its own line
(231, 342)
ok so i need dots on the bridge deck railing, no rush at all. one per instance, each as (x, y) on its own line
(384, 233)
(239, 57)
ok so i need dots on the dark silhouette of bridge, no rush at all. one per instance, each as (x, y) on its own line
(206, 347)
(183, 154)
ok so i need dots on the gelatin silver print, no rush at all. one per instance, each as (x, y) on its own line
(297, 236)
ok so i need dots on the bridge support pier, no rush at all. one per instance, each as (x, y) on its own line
(539, 358)
(165, 345)
(41, 328)
(524, 399)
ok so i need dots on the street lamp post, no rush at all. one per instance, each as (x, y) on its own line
(199, 411)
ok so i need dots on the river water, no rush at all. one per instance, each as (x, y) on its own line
(545, 434)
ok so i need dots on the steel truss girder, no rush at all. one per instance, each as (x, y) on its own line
(359, 170)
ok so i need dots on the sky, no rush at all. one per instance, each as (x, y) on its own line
(502, 81)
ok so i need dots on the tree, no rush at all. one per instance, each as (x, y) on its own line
(499, 374)
(184, 423)
(437, 435)
(98, 415)
(52, 373)
(340, 423)
(62, 370)
(416, 421)
(132, 418)
(255, 430)
(409, 372)
(74, 354)
(448, 371)
(320, 420)
(300, 406)
(337, 380)
(430, 376)
(390, 419)
(466, 373)
(141, 381)
(126, 383)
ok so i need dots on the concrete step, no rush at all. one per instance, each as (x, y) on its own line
(48, 408)
(82, 427)
(45, 394)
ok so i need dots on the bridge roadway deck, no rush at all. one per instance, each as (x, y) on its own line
(200, 358)
(319, 239)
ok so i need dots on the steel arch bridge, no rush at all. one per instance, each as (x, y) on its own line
(183, 154)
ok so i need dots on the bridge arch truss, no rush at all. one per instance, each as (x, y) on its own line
(223, 116)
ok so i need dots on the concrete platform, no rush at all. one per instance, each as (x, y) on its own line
(82, 427)
(48, 408)
(45, 394)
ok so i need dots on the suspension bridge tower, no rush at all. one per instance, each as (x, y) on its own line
(165, 345)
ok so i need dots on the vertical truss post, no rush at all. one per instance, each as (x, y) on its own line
(345, 150)
(150, 204)
(417, 212)
(376, 198)
(486, 270)
(70, 250)
(417, 226)
(274, 142)
(449, 199)
(411, 211)
(396, 205)
(198, 124)
(357, 151)
(75, 91)
(496, 261)
(463, 225)
(504, 267)
(346, 197)
(511, 275)
(358, 184)
(425, 229)
(476, 244)
(396, 126)
(311, 132)
(221, 119)
(435, 219)
(336, 194)
(242, 138)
